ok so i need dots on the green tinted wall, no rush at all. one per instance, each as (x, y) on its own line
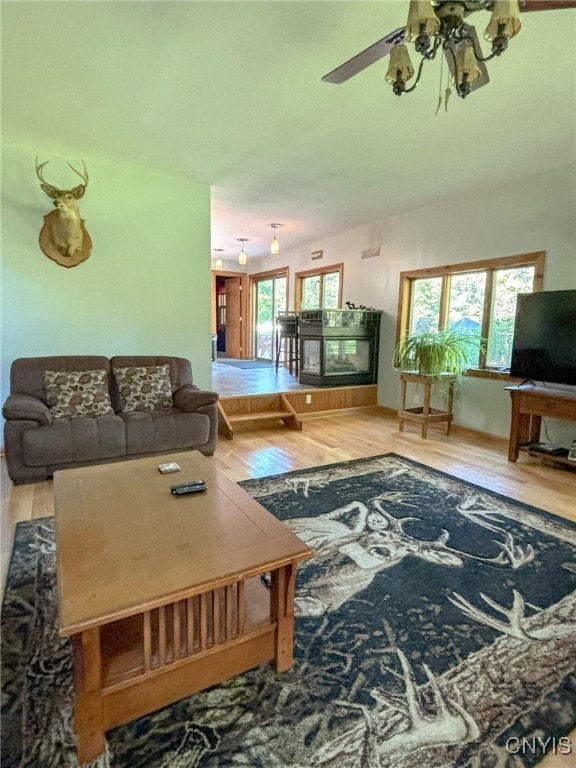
(144, 289)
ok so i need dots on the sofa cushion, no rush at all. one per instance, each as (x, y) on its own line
(144, 388)
(180, 368)
(165, 431)
(27, 373)
(75, 440)
(71, 394)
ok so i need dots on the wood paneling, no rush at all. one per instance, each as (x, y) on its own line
(328, 399)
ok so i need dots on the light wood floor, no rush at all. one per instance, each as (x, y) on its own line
(252, 381)
(348, 435)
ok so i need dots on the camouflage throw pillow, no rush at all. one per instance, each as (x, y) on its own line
(77, 393)
(146, 388)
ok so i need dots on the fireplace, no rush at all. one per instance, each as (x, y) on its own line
(338, 347)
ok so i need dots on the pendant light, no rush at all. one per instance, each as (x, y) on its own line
(218, 263)
(274, 244)
(242, 257)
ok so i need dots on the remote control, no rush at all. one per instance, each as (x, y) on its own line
(192, 486)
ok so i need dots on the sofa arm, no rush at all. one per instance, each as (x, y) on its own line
(26, 407)
(191, 398)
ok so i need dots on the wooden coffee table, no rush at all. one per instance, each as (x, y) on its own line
(162, 594)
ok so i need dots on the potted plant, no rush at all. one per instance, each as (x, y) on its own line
(434, 353)
(434, 360)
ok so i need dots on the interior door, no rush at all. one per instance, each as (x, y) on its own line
(234, 319)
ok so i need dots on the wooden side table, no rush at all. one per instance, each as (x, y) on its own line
(529, 405)
(425, 414)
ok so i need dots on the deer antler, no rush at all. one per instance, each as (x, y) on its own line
(397, 497)
(425, 730)
(517, 556)
(485, 516)
(447, 723)
(50, 189)
(83, 176)
(394, 523)
(40, 174)
(39, 167)
(515, 615)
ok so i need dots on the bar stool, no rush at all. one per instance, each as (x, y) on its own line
(287, 340)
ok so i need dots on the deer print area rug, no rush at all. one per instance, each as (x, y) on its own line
(436, 628)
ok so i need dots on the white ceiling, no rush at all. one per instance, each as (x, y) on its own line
(230, 93)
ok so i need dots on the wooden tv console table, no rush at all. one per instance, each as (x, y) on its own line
(529, 405)
(161, 594)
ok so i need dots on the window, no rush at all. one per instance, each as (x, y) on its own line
(477, 298)
(319, 288)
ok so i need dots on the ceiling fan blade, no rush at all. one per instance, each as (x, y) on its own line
(546, 5)
(362, 60)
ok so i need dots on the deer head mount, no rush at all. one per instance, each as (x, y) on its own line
(63, 238)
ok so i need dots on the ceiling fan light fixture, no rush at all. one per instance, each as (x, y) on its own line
(422, 20)
(440, 27)
(242, 257)
(505, 20)
(400, 69)
(467, 70)
(274, 244)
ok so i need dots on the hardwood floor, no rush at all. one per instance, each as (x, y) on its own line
(245, 381)
(325, 439)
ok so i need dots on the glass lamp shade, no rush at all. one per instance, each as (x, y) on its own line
(507, 14)
(274, 247)
(400, 67)
(242, 258)
(421, 20)
(466, 64)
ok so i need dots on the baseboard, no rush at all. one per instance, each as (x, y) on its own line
(455, 428)
(338, 412)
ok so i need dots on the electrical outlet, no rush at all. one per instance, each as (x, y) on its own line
(308, 399)
(416, 399)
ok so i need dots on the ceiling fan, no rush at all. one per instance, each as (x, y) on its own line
(438, 25)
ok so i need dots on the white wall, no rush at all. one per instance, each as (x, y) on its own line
(536, 214)
(144, 289)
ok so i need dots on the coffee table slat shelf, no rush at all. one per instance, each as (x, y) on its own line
(132, 647)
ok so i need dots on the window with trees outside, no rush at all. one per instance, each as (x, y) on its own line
(269, 297)
(476, 297)
(319, 288)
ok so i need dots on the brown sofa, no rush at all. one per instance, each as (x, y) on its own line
(36, 443)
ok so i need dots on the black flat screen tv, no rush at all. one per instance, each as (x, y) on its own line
(544, 346)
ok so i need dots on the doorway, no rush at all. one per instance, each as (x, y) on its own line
(229, 291)
(270, 296)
